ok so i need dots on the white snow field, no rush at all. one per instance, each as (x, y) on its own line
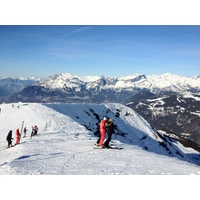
(65, 143)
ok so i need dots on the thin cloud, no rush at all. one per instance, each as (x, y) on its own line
(186, 52)
(78, 30)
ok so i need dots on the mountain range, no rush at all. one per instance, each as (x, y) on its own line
(169, 102)
(69, 88)
(9, 86)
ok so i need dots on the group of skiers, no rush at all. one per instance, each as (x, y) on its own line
(106, 125)
(18, 135)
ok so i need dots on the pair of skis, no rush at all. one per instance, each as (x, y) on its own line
(110, 147)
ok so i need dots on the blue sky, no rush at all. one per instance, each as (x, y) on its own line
(99, 50)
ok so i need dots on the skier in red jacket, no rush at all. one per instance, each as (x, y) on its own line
(102, 128)
(17, 137)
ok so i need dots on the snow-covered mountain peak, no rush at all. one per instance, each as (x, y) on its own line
(130, 81)
(89, 79)
(66, 75)
(33, 78)
(133, 77)
(62, 76)
(172, 82)
(165, 77)
(61, 81)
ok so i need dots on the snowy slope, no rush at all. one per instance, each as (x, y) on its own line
(65, 143)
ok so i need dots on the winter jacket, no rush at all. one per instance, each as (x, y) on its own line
(9, 136)
(17, 133)
(102, 125)
(109, 127)
(102, 132)
(17, 137)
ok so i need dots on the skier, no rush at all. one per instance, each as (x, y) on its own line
(36, 129)
(25, 129)
(17, 137)
(110, 131)
(102, 129)
(9, 139)
(33, 131)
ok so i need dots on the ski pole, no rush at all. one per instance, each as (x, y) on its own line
(22, 128)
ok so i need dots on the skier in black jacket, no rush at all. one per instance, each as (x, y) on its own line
(9, 139)
(110, 131)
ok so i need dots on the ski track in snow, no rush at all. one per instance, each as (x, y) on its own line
(65, 147)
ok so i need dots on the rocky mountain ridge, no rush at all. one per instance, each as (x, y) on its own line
(175, 113)
(154, 83)
(65, 87)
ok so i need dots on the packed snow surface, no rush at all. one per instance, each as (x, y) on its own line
(66, 140)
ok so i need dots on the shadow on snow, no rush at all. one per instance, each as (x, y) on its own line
(89, 116)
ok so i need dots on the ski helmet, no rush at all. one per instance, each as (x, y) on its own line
(105, 118)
